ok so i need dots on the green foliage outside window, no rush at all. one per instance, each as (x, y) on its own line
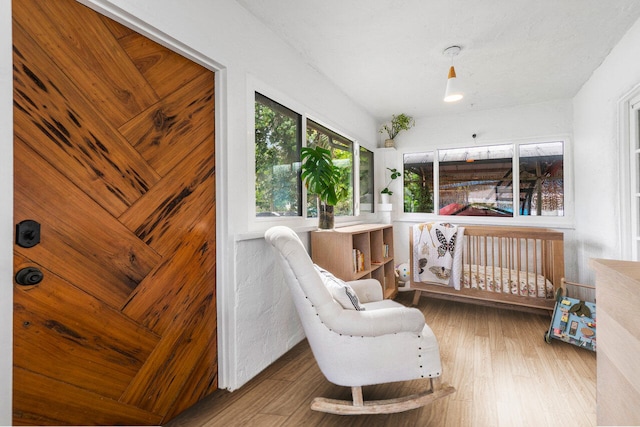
(418, 194)
(418, 182)
(277, 151)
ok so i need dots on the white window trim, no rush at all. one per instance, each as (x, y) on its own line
(629, 185)
(634, 175)
(564, 222)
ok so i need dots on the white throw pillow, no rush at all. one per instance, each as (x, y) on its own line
(340, 291)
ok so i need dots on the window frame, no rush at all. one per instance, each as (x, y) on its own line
(283, 110)
(634, 179)
(566, 221)
(629, 174)
(372, 185)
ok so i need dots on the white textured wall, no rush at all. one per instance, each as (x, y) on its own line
(490, 126)
(268, 315)
(597, 151)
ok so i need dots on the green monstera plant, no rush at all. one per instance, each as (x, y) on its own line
(322, 177)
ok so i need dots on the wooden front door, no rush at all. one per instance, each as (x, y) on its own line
(114, 158)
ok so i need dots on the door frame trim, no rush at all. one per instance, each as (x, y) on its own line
(6, 213)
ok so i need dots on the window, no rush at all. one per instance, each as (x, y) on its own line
(479, 181)
(278, 133)
(278, 141)
(366, 180)
(342, 152)
(541, 179)
(476, 181)
(418, 182)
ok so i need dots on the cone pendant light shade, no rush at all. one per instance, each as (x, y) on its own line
(452, 92)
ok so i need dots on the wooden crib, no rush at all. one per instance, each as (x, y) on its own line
(515, 267)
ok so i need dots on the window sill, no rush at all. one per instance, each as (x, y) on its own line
(523, 221)
(300, 225)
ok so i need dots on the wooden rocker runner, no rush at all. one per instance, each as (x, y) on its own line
(388, 406)
(357, 337)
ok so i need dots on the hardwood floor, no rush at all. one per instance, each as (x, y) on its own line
(504, 372)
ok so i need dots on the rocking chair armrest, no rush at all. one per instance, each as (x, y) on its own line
(374, 323)
(367, 290)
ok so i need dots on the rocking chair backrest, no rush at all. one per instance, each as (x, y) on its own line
(313, 301)
(294, 256)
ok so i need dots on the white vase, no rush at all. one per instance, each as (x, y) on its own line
(384, 198)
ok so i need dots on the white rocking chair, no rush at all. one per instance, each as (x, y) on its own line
(386, 342)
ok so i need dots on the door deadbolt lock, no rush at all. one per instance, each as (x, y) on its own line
(27, 233)
(29, 276)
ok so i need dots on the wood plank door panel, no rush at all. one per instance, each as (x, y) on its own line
(158, 132)
(109, 260)
(183, 199)
(165, 71)
(80, 41)
(53, 116)
(77, 349)
(49, 409)
(114, 157)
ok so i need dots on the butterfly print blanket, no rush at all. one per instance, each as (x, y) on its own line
(437, 253)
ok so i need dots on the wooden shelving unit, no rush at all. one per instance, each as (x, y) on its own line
(335, 250)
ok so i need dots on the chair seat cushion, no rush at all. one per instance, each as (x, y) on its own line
(340, 290)
(385, 303)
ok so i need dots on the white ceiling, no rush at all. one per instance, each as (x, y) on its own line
(386, 55)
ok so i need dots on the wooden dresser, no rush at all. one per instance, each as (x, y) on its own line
(618, 302)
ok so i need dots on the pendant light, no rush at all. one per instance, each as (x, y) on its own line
(452, 92)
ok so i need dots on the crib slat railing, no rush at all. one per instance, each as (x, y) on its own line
(466, 259)
(497, 283)
(542, 255)
(504, 259)
(507, 260)
(486, 278)
(534, 267)
(526, 268)
(518, 263)
(512, 256)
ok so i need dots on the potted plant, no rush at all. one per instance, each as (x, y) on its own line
(322, 178)
(398, 123)
(386, 192)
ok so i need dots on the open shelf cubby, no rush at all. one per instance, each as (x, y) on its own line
(357, 252)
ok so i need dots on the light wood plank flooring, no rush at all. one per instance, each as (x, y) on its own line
(504, 372)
